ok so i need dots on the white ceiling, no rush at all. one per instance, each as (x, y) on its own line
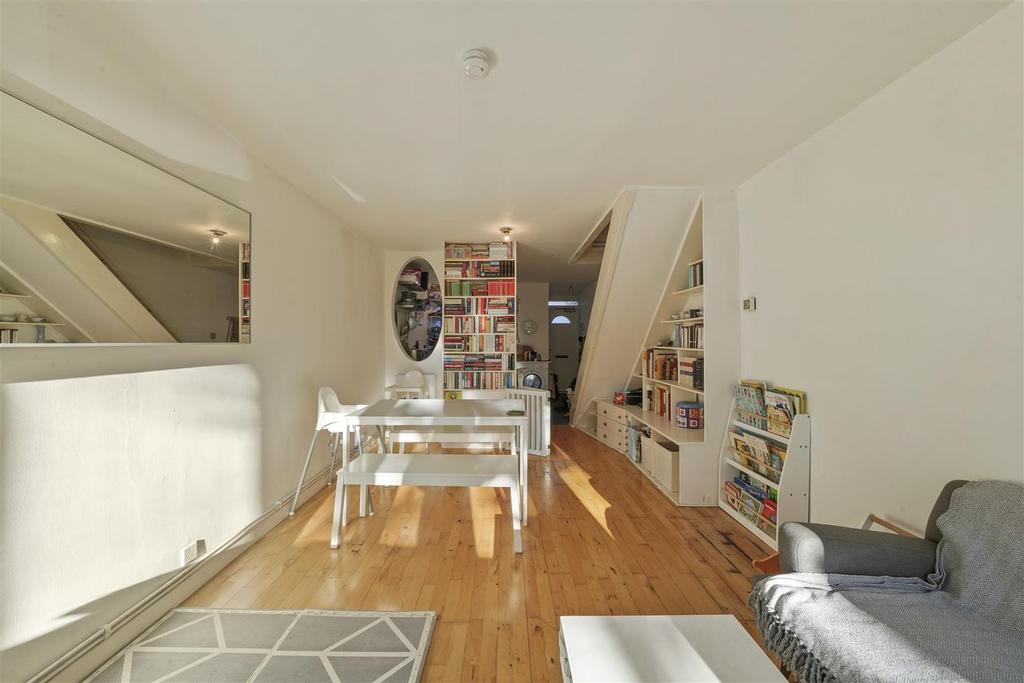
(583, 99)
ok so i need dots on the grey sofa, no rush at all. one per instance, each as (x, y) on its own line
(855, 605)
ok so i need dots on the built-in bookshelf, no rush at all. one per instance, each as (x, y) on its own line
(764, 464)
(244, 293)
(479, 317)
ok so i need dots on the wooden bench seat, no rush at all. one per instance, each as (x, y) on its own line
(398, 469)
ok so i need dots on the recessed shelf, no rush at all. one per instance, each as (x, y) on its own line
(689, 290)
(674, 385)
(674, 348)
(30, 324)
(481, 353)
(462, 260)
(683, 321)
(8, 295)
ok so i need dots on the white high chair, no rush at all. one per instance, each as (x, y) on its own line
(411, 385)
(330, 416)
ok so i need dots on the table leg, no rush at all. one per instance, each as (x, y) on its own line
(516, 507)
(340, 518)
(362, 490)
(524, 471)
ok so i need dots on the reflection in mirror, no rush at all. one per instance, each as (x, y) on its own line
(417, 309)
(99, 246)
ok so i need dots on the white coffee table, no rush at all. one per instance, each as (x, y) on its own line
(691, 649)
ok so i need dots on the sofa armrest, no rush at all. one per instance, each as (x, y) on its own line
(827, 549)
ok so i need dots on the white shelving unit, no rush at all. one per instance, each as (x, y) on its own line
(456, 381)
(244, 293)
(709, 237)
(792, 487)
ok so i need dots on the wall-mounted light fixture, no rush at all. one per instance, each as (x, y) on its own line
(507, 234)
(216, 236)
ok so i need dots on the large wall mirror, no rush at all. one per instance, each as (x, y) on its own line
(417, 309)
(98, 246)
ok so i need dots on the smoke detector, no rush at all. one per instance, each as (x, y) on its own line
(477, 63)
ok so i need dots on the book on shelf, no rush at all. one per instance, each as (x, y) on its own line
(689, 336)
(501, 306)
(479, 380)
(468, 342)
(695, 275)
(659, 400)
(749, 395)
(753, 500)
(480, 269)
(502, 287)
(8, 335)
(473, 324)
(488, 250)
(245, 251)
(691, 373)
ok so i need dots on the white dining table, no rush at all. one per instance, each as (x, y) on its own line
(466, 413)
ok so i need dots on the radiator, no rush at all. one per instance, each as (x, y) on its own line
(538, 413)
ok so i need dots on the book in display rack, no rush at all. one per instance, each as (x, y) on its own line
(764, 466)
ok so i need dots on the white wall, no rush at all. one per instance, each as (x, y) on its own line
(395, 359)
(533, 304)
(885, 253)
(113, 458)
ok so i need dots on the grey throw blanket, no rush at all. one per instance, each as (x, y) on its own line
(964, 623)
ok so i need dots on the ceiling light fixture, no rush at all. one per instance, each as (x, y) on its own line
(477, 63)
(215, 236)
(507, 232)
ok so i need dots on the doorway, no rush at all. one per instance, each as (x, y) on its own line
(563, 340)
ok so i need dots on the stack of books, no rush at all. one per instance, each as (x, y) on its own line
(500, 306)
(8, 335)
(466, 251)
(499, 250)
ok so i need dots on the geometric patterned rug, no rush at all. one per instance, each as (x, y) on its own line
(271, 646)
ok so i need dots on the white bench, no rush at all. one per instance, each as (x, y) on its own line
(399, 436)
(398, 469)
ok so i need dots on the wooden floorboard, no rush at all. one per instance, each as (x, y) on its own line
(601, 540)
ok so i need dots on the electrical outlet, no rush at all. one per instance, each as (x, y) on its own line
(750, 304)
(192, 551)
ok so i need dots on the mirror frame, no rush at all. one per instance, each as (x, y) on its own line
(396, 293)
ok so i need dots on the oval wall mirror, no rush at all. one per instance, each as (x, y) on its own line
(417, 309)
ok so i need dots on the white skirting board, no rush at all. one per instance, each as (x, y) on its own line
(109, 639)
